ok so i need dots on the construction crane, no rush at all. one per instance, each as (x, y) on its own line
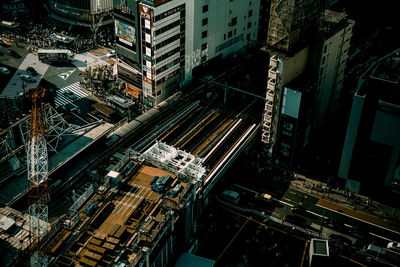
(37, 179)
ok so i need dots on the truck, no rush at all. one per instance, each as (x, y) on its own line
(55, 55)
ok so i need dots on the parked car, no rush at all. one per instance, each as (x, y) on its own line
(13, 53)
(263, 197)
(70, 94)
(230, 196)
(111, 53)
(27, 78)
(4, 70)
(32, 71)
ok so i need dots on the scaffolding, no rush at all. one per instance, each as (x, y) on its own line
(292, 22)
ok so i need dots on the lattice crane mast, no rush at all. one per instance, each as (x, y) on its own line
(37, 178)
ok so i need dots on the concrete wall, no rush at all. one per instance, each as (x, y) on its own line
(385, 130)
(351, 136)
(331, 71)
(294, 66)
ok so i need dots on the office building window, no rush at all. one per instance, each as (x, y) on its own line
(224, 36)
(204, 34)
(234, 21)
(250, 13)
(230, 34)
(204, 46)
(249, 25)
(205, 8)
(204, 22)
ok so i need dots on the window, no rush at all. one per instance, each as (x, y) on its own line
(230, 34)
(224, 36)
(248, 37)
(204, 46)
(234, 21)
(205, 8)
(249, 25)
(250, 13)
(204, 58)
(204, 22)
(204, 34)
(325, 48)
(234, 32)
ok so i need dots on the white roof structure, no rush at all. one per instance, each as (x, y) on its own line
(113, 174)
(180, 162)
(6, 223)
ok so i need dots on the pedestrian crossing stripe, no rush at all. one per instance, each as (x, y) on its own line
(62, 100)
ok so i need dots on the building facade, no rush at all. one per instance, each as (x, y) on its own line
(304, 75)
(81, 13)
(331, 55)
(174, 37)
(371, 152)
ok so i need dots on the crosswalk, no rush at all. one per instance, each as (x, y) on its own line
(62, 99)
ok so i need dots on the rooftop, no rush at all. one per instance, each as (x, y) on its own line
(382, 79)
(320, 247)
(334, 16)
(135, 217)
(389, 68)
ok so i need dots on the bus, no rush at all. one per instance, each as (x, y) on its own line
(55, 55)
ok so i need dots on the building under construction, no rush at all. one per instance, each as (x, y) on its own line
(292, 23)
(141, 216)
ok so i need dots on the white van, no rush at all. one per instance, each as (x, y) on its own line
(231, 196)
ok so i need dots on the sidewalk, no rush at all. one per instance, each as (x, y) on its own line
(357, 206)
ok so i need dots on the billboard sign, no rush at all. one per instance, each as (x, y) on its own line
(144, 11)
(291, 103)
(125, 34)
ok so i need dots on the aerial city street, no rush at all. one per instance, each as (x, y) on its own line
(199, 133)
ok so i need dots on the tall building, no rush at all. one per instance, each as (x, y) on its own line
(161, 43)
(305, 74)
(371, 152)
(282, 103)
(330, 56)
(90, 14)
(290, 26)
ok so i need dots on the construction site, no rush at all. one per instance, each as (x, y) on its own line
(100, 194)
